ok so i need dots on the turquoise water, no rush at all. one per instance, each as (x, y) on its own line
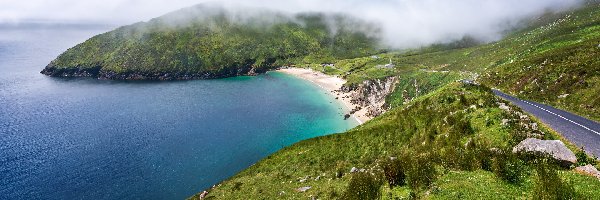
(87, 138)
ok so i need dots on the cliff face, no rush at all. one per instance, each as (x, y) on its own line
(371, 94)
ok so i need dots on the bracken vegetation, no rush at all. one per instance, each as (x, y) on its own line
(210, 42)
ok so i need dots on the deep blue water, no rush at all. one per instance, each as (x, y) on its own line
(87, 138)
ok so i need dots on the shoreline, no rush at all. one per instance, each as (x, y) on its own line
(332, 85)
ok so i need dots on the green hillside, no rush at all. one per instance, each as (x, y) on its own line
(210, 42)
(444, 143)
(555, 60)
(440, 139)
(448, 140)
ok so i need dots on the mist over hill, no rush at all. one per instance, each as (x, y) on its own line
(404, 24)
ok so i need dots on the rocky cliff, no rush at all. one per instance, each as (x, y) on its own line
(371, 94)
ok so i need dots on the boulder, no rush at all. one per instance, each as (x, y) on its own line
(553, 148)
(505, 122)
(203, 195)
(303, 189)
(504, 107)
(588, 170)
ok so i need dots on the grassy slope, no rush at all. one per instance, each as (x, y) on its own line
(211, 40)
(440, 123)
(568, 49)
(557, 54)
(560, 58)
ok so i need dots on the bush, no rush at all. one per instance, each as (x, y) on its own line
(549, 186)
(509, 167)
(420, 171)
(393, 172)
(469, 156)
(362, 186)
(583, 159)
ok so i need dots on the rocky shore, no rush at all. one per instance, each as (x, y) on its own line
(363, 102)
(98, 72)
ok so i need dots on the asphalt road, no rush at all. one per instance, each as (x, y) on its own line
(581, 131)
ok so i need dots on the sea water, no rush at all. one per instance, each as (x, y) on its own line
(80, 138)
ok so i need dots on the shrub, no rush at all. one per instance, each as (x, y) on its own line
(469, 156)
(362, 186)
(549, 186)
(393, 172)
(509, 167)
(473, 156)
(583, 159)
(339, 169)
(236, 186)
(420, 171)
(480, 150)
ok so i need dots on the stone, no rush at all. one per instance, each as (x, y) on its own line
(353, 170)
(588, 170)
(553, 148)
(504, 107)
(303, 189)
(203, 195)
(505, 122)
(346, 116)
(534, 126)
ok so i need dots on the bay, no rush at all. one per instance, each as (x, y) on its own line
(86, 138)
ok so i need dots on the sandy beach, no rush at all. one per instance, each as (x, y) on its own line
(331, 84)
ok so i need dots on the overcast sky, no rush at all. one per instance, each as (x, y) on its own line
(405, 22)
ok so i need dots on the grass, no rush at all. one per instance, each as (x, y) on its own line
(450, 138)
(450, 127)
(213, 43)
(557, 54)
(439, 123)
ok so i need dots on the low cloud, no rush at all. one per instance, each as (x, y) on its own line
(404, 23)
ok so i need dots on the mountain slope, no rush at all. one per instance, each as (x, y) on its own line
(448, 136)
(209, 42)
(451, 139)
(554, 60)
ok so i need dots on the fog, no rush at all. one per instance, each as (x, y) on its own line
(404, 23)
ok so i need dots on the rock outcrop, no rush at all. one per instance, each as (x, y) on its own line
(588, 170)
(371, 94)
(303, 189)
(552, 148)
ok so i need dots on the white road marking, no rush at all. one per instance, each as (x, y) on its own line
(582, 126)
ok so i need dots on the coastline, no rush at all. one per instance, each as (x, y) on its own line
(332, 85)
